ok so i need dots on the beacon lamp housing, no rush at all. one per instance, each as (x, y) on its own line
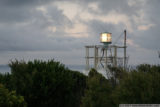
(106, 38)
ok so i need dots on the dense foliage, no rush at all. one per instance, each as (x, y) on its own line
(10, 99)
(137, 86)
(140, 86)
(45, 84)
(98, 91)
(51, 84)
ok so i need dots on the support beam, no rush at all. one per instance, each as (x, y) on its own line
(87, 58)
(105, 52)
(95, 57)
(115, 57)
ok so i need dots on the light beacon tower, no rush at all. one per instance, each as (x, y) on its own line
(106, 38)
(106, 55)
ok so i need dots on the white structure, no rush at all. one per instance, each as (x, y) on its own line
(106, 54)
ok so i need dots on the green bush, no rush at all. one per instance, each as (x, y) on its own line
(98, 92)
(139, 86)
(10, 99)
(47, 84)
(50, 83)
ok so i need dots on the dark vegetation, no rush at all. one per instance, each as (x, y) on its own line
(51, 84)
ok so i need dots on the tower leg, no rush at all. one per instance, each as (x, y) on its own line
(105, 52)
(87, 58)
(95, 57)
(115, 57)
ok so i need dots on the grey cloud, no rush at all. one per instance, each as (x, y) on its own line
(13, 11)
(121, 6)
(152, 11)
(58, 17)
(35, 38)
(148, 39)
(23, 28)
(35, 41)
(24, 2)
(14, 14)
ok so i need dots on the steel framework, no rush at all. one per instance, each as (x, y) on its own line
(106, 55)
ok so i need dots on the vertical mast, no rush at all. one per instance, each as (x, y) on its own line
(125, 49)
(87, 58)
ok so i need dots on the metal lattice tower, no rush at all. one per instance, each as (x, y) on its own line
(106, 56)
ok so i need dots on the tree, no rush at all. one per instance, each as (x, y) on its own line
(98, 91)
(10, 99)
(47, 84)
(138, 87)
(144, 68)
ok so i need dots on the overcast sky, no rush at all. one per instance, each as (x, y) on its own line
(59, 29)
